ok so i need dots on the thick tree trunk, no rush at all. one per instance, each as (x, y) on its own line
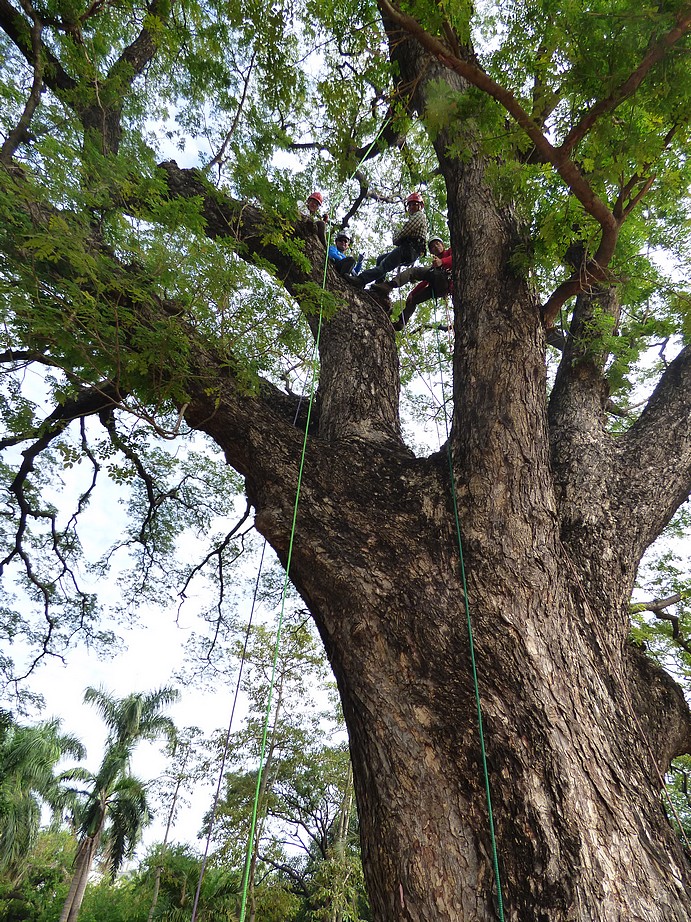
(578, 728)
(555, 514)
(580, 828)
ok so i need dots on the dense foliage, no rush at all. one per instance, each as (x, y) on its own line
(272, 100)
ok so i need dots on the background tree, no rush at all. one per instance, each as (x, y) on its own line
(553, 139)
(115, 808)
(181, 772)
(304, 774)
(38, 895)
(29, 781)
(180, 867)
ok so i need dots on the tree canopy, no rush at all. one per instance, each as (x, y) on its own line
(121, 270)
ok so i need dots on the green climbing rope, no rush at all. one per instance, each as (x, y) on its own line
(255, 807)
(471, 642)
(265, 729)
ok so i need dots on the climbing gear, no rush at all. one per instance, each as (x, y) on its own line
(433, 240)
(342, 236)
(250, 843)
(226, 747)
(317, 196)
(415, 197)
(265, 730)
(470, 633)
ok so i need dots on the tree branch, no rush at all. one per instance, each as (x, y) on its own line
(14, 26)
(474, 74)
(655, 473)
(657, 50)
(594, 271)
(140, 52)
(28, 356)
(87, 402)
(657, 606)
(19, 133)
(388, 137)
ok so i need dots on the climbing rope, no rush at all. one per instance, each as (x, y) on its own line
(226, 746)
(265, 728)
(469, 625)
(243, 659)
(284, 593)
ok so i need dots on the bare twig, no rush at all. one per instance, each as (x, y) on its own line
(218, 159)
(20, 133)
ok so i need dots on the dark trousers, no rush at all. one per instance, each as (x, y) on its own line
(434, 283)
(402, 255)
(343, 266)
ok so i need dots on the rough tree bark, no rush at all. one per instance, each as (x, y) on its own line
(555, 515)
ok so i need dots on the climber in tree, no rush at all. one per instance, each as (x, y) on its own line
(434, 281)
(314, 202)
(410, 242)
(339, 257)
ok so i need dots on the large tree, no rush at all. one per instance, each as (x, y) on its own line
(553, 136)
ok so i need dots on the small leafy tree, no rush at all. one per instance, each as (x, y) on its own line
(177, 870)
(183, 769)
(115, 808)
(40, 892)
(305, 837)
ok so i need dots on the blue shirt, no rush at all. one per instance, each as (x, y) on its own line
(335, 253)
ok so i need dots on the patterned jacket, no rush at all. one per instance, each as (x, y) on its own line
(413, 232)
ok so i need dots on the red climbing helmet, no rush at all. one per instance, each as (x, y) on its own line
(317, 196)
(415, 197)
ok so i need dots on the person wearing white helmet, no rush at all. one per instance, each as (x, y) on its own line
(434, 281)
(410, 242)
(339, 258)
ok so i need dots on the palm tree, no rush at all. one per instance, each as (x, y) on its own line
(115, 809)
(28, 759)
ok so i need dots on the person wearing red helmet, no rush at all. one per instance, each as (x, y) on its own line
(314, 202)
(410, 242)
